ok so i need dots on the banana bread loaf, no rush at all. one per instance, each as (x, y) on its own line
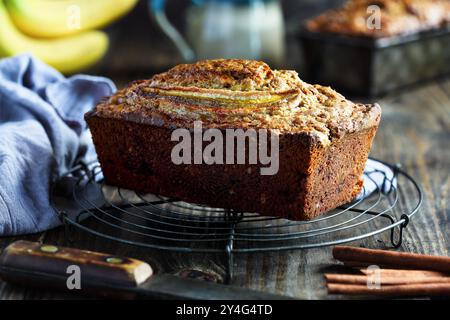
(397, 17)
(323, 139)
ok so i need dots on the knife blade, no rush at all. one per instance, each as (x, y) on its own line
(93, 273)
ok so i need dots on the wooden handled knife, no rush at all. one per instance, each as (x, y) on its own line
(86, 272)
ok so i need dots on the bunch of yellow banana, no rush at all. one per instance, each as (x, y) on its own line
(59, 32)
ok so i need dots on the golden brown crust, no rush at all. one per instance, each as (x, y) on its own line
(397, 17)
(239, 94)
(230, 74)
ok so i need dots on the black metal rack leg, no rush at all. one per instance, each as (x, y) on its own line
(230, 258)
(397, 243)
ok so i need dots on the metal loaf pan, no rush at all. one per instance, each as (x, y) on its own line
(368, 67)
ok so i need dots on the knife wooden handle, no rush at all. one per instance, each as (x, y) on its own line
(102, 275)
(41, 264)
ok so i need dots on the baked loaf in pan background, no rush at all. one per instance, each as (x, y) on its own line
(324, 139)
(398, 17)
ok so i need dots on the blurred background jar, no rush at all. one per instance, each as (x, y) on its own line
(246, 29)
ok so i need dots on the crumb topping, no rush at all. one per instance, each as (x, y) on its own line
(239, 94)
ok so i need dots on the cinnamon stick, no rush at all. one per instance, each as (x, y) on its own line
(404, 273)
(384, 280)
(429, 289)
(392, 258)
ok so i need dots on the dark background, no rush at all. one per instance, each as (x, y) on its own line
(139, 48)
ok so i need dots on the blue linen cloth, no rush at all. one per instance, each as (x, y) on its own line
(42, 135)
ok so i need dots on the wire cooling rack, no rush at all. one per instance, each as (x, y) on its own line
(84, 201)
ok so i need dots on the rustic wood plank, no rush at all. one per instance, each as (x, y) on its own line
(415, 133)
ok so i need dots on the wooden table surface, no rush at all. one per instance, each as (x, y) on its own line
(415, 131)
